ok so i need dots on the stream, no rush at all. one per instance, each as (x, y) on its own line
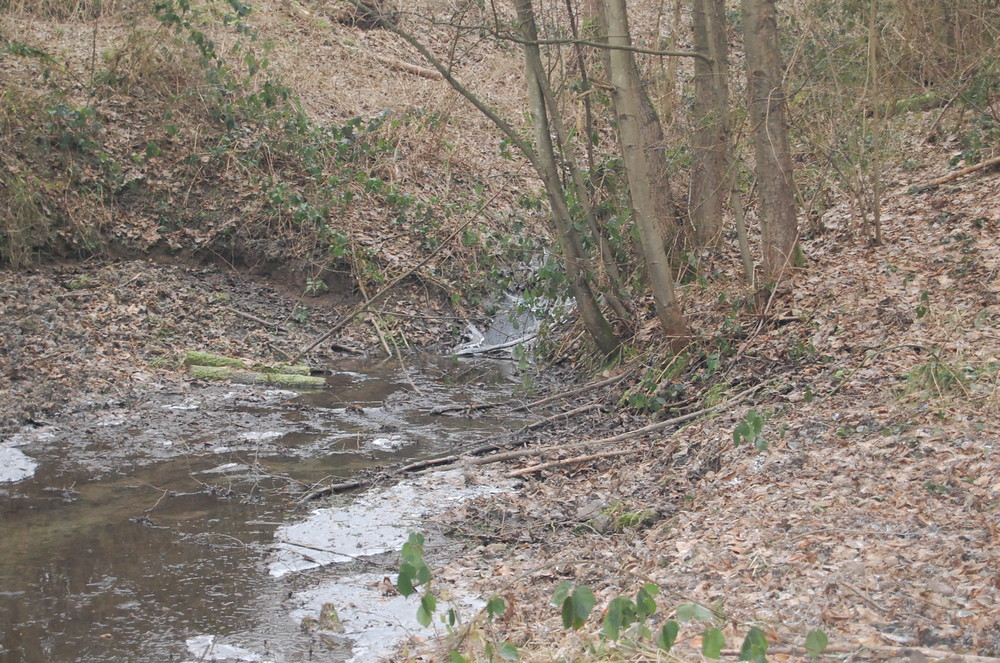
(167, 529)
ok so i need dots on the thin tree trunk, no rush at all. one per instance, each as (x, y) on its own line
(577, 264)
(626, 97)
(709, 140)
(653, 144)
(778, 224)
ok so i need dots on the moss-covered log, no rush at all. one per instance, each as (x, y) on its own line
(241, 376)
(198, 358)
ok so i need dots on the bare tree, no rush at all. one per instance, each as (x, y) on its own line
(626, 95)
(778, 223)
(708, 154)
(541, 156)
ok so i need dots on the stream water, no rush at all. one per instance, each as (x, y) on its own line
(165, 530)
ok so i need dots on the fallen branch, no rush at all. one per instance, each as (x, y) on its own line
(989, 163)
(260, 321)
(490, 348)
(574, 392)
(638, 432)
(474, 407)
(333, 489)
(563, 415)
(399, 65)
(570, 461)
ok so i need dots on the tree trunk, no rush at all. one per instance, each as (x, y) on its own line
(626, 96)
(778, 224)
(654, 144)
(709, 139)
(577, 263)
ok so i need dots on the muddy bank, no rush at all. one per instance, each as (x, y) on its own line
(83, 337)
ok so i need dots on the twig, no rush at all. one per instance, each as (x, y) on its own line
(491, 348)
(260, 321)
(563, 415)
(608, 440)
(470, 407)
(570, 461)
(574, 392)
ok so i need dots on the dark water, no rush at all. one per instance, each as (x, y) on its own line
(150, 525)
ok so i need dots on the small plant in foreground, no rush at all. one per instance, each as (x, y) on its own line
(626, 620)
(749, 430)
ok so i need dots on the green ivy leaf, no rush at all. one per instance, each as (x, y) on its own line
(577, 606)
(508, 652)
(644, 602)
(712, 643)
(428, 604)
(667, 636)
(621, 614)
(754, 646)
(816, 642)
(690, 612)
(562, 591)
(495, 607)
(404, 583)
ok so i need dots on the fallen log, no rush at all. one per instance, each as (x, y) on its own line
(989, 163)
(242, 376)
(570, 461)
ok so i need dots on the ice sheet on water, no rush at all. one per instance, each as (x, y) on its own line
(14, 465)
(373, 524)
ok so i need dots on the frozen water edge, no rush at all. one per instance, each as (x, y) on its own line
(14, 465)
(375, 622)
(373, 524)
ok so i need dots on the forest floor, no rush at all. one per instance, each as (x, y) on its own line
(873, 513)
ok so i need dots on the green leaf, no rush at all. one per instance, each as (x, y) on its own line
(495, 607)
(667, 636)
(712, 643)
(428, 604)
(562, 591)
(740, 432)
(621, 614)
(404, 583)
(583, 600)
(816, 642)
(690, 612)
(508, 652)
(577, 606)
(644, 603)
(754, 646)
(456, 657)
